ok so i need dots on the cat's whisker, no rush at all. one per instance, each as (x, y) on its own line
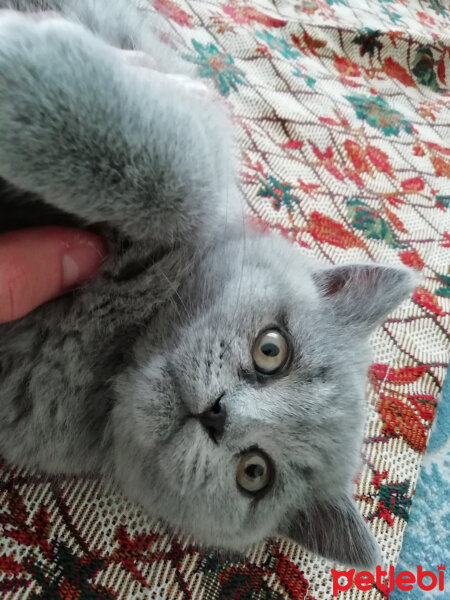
(234, 189)
(174, 289)
(225, 226)
(202, 469)
(238, 295)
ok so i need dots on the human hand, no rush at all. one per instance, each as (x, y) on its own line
(42, 263)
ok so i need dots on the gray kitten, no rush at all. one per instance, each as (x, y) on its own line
(214, 372)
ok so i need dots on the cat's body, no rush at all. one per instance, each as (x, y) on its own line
(113, 377)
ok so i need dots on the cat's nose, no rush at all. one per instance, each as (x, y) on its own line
(214, 419)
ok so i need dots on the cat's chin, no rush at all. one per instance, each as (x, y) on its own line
(224, 547)
(232, 544)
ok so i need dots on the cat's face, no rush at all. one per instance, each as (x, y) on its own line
(251, 417)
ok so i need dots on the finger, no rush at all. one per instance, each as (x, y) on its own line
(39, 264)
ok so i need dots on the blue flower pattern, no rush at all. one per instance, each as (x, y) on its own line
(278, 44)
(216, 65)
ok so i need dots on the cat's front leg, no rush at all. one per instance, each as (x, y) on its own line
(93, 136)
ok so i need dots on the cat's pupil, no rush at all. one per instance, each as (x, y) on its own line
(254, 471)
(269, 349)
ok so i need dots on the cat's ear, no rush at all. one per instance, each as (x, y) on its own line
(336, 531)
(362, 295)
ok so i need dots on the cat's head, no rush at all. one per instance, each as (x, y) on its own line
(248, 423)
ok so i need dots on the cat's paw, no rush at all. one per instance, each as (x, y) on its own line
(193, 86)
(135, 58)
(44, 64)
(20, 46)
(8, 15)
(19, 32)
(147, 67)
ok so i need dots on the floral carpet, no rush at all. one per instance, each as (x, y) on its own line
(342, 112)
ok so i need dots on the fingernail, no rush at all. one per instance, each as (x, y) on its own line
(81, 262)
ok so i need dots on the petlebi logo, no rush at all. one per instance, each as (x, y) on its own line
(386, 581)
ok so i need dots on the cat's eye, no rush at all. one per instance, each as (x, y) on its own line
(254, 471)
(270, 351)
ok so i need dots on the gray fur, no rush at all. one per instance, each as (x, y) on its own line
(108, 378)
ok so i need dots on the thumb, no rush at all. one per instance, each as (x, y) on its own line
(39, 264)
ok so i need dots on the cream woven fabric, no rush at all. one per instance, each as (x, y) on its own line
(342, 114)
